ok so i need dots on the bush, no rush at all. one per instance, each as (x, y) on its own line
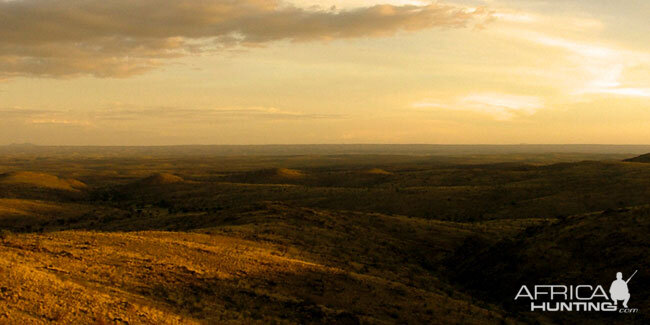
(5, 234)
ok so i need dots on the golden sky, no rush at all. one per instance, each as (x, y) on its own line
(153, 72)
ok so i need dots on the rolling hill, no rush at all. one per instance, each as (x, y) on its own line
(160, 179)
(377, 171)
(41, 180)
(340, 239)
(230, 274)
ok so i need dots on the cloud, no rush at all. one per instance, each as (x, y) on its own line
(635, 92)
(120, 38)
(129, 112)
(42, 116)
(601, 67)
(21, 113)
(126, 112)
(60, 122)
(587, 66)
(568, 23)
(500, 106)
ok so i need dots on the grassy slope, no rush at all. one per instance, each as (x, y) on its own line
(41, 180)
(163, 277)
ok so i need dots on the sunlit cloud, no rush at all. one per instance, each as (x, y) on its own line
(603, 67)
(499, 106)
(637, 92)
(274, 71)
(595, 68)
(515, 17)
(120, 112)
(121, 38)
(531, 20)
(60, 122)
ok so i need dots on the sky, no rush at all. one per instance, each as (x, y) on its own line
(170, 72)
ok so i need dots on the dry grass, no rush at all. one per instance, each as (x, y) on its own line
(168, 278)
(257, 244)
(27, 207)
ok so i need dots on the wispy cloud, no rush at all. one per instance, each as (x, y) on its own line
(120, 38)
(21, 113)
(566, 23)
(602, 67)
(43, 116)
(119, 112)
(590, 67)
(130, 112)
(636, 92)
(499, 106)
(52, 121)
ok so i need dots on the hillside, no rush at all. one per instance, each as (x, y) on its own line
(160, 179)
(269, 176)
(642, 159)
(377, 171)
(584, 249)
(169, 277)
(41, 180)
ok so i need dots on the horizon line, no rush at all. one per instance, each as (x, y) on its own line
(28, 144)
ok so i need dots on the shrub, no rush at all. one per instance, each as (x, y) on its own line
(5, 234)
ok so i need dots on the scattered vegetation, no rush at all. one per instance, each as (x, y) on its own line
(294, 239)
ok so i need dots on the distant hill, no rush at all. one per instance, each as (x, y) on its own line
(270, 176)
(643, 159)
(161, 179)
(41, 180)
(286, 172)
(377, 171)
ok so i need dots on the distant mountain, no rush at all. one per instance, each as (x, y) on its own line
(643, 158)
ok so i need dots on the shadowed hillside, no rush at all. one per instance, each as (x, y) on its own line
(642, 159)
(584, 249)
